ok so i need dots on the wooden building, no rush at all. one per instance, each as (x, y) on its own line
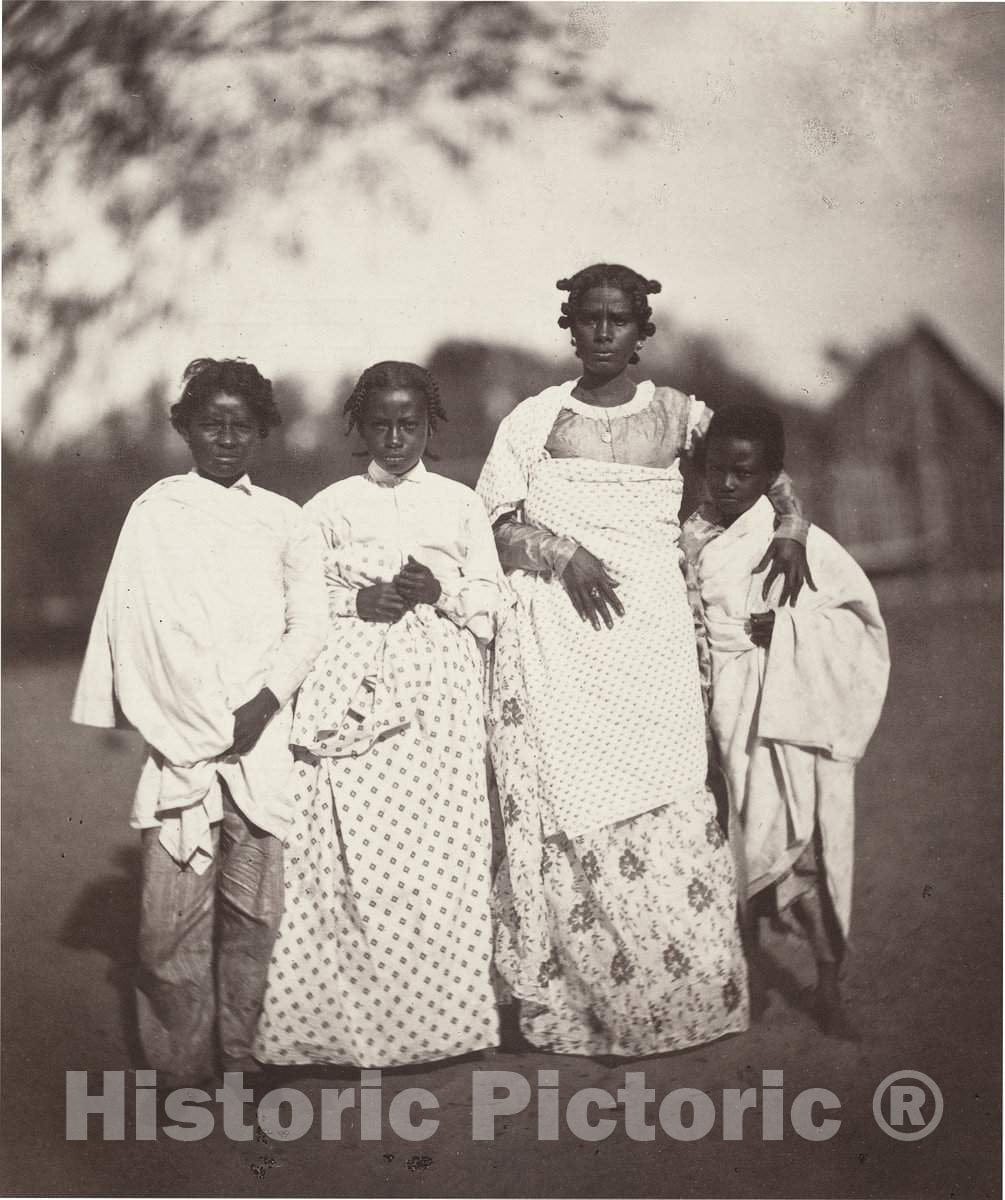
(913, 453)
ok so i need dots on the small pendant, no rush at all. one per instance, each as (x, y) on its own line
(606, 436)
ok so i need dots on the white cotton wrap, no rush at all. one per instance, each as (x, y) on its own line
(792, 721)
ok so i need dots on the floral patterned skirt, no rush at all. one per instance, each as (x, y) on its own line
(621, 941)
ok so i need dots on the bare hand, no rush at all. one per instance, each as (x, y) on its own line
(417, 584)
(251, 718)
(787, 557)
(762, 626)
(591, 589)
(381, 602)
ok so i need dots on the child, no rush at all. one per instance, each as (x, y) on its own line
(795, 694)
(211, 615)
(384, 952)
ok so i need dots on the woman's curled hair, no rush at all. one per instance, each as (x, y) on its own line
(636, 287)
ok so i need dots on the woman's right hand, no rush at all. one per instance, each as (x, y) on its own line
(381, 602)
(591, 589)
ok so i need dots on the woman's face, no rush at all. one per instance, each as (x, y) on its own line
(395, 427)
(222, 435)
(606, 332)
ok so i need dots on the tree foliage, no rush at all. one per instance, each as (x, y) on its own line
(185, 111)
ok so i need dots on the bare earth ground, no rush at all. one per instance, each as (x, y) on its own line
(924, 980)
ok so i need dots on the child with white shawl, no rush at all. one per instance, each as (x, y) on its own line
(795, 693)
(211, 615)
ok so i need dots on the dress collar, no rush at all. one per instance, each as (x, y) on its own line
(642, 399)
(384, 478)
(239, 485)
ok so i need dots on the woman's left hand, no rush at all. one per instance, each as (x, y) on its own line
(787, 558)
(417, 584)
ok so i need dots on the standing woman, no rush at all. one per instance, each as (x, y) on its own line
(385, 946)
(616, 904)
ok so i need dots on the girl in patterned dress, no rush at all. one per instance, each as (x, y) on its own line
(384, 951)
(616, 904)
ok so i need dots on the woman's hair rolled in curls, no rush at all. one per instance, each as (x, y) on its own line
(404, 375)
(635, 286)
(205, 378)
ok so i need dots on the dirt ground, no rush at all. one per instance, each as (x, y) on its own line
(924, 981)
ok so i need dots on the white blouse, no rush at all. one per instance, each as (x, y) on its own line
(371, 523)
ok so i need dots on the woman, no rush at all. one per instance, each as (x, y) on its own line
(616, 902)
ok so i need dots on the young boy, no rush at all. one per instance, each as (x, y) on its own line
(212, 613)
(795, 694)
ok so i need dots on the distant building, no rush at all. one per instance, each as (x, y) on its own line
(913, 449)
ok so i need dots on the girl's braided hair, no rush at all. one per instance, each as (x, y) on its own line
(391, 374)
(635, 286)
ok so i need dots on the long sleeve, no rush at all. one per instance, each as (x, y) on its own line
(700, 634)
(306, 611)
(341, 595)
(785, 502)
(524, 546)
(335, 533)
(472, 599)
(698, 530)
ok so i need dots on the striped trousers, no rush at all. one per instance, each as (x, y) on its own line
(204, 946)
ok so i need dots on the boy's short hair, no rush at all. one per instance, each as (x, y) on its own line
(753, 423)
(206, 378)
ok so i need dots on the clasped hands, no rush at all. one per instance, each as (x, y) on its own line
(389, 600)
(414, 584)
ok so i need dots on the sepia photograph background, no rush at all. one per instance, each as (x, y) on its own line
(318, 186)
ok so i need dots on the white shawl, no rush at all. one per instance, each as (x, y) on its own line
(177, 644)
(791, 721)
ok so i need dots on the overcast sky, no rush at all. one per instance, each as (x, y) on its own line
(819, 173)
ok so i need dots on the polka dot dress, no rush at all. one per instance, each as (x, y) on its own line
(602, 701)
(384, 952)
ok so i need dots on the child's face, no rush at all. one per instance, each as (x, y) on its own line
(395, 427)
(735, 474)
(223, 434)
